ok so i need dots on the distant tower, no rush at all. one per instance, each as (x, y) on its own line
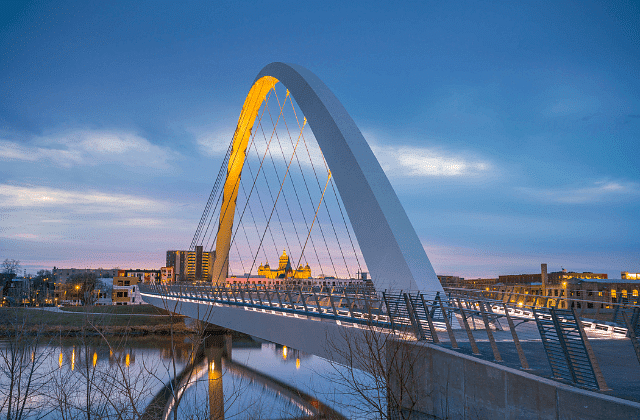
(545, 278)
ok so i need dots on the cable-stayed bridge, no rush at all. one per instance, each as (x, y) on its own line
(299, 175)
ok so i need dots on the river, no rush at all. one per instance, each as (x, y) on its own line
(224, 377)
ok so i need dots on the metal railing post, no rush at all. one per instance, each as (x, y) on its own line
(432, 329)
(592, 357)
(516, 341)
(452, 337)
(472, 341)
(494, 346)
(413, 318)
(631, 333)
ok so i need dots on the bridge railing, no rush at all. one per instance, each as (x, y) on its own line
(419, 316)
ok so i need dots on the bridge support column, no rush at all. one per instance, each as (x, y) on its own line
(214, 351)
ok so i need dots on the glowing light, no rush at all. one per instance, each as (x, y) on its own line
(520, 304)
(95, 358)
(284, 352)
(297, 363)
(212, 366)
(127, 360)
(564, 284)
(73, 359)
(60, 357)
(77, 287)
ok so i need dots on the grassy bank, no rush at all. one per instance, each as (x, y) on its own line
(112, 320)
(118, 310)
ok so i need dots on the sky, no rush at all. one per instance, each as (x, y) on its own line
(509, 130)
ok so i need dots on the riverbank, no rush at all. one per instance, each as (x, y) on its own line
(92, 320)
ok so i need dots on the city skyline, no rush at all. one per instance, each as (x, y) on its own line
(510, 134)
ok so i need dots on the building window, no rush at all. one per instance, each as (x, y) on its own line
(119, 294)
(634, 293)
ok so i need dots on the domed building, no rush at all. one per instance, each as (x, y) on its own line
(284, 270)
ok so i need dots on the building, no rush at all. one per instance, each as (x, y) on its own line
(520, 278)
(625, 275)
(191, 265)
(558, 277)
(320, 282)
(284, 270)
(451, 281)
(588, 292)
(103, 291)
(144, 276)
(555, 277)
(167, 274)
(462, 283)
(62, 275)
(68, 294)
(126, 291)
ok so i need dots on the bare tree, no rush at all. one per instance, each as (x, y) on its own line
(21, 376)
(378, 370)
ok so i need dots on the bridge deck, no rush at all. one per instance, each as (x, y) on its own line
(487, 332)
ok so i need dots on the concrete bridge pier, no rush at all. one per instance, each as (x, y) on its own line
(216, 347)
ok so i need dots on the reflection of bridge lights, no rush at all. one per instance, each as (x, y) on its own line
(212, 366)
(127, 360)
(297, 363)
(284, 352)
(60, 359)
(95, 358)
(73, 359)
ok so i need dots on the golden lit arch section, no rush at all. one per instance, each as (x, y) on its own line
(241, 138)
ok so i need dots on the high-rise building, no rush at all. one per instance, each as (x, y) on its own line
(191, 265)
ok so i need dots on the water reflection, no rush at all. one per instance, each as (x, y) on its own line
(218, 378)
(234, 389)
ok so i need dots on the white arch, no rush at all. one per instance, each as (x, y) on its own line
(389, 244)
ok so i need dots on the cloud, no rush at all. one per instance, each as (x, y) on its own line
(411, 161)
(214, 144)
(90, 201)
(399, 161)
(281, 146)
(15, 151)
(89, 147)
(598, 192)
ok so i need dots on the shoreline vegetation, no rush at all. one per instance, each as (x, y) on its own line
(135, 320)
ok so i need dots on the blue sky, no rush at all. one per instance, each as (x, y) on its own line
(510, 130)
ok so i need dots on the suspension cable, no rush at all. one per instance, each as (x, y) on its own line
(315, 215)
(236, 181)
(252, 189)
(280, 190)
